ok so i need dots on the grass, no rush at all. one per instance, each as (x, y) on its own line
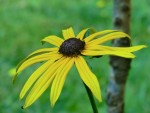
(24, 23)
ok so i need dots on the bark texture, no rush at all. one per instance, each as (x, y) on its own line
(119, 66)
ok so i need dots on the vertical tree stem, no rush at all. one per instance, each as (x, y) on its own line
(119, 66)
(90, 95)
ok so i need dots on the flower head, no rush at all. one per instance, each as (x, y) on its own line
(57, 62)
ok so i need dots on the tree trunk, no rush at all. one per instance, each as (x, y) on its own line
(119, 66)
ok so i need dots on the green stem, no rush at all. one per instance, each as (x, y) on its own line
(90, 95)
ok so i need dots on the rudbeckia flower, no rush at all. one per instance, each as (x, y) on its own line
(58, 60)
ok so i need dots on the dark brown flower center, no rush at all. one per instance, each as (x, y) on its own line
(72, 47)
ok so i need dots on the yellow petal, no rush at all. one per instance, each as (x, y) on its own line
(68, 33)
(98, 34)
(36, 59)
(107, 48)
(34, 77)
(108, 37)
(53, 40)
(43, 50)
(115, 53)
(88, 77)
(59, 80)
(82, 33)
(43, 83)
(39, 52)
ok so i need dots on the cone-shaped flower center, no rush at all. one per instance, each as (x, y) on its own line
(72, 47)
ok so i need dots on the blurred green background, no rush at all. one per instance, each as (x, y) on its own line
(23, 23)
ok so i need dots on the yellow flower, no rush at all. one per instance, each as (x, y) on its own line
(60, 59)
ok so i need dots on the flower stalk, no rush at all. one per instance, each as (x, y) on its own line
(91, 98)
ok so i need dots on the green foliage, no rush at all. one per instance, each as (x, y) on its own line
(23, 23)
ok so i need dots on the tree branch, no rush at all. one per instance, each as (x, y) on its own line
(119, 66)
